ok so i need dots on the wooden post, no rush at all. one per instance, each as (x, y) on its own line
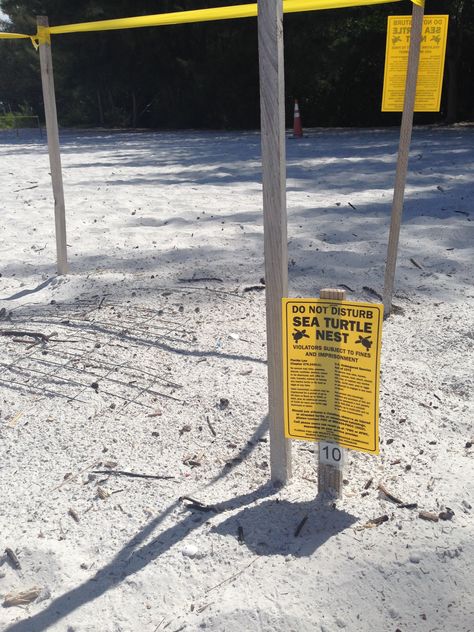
(272, 108)
(47, 80)
(331, 456)
(403, 152)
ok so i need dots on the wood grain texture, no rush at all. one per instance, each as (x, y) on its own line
(47, 80)
(329, 477)
(272, 108)
(403, 153)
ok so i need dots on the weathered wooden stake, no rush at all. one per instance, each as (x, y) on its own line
(272, 108)
(47, 80)
(403, 153)
(330, 469)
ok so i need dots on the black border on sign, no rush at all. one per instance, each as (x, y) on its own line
(377, 368)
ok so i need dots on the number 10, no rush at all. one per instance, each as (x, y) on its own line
(335, 452)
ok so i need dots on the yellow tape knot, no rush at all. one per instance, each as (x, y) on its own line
(43, 36)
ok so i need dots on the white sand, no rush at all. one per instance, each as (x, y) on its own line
(144, 212)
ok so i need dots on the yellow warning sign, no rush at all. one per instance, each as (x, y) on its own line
(331, 360)
(431, 68)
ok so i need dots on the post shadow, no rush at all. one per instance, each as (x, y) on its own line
(280, 527)
(269, 527)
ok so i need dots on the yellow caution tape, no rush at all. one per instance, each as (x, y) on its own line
(44, 35)
(33, 38)
(208, 15)
(187, 17)
(13, 36)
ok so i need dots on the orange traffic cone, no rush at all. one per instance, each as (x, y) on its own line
(297, 128)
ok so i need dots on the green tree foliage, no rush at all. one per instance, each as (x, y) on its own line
(206, 75)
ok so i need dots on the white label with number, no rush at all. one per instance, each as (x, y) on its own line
(331, 454)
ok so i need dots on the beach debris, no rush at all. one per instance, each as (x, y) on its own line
(374, 522)
(193, 461)
(389, 495)
(32, 334)
(186, 428)
(198, 279)
(352, 206)
(21, 598)
(102, 493)
(397, 310)
(73, 515)
(446, 515)
(190, 550)
(228, 579)
(15, 419)
(368, 483)
(192, 503)
(417, 265)
(133, 474)
(254, 288)
(240, 535)
(370, 290)
(211, 428)
(223, 403)
(428, 515)
(12, 558)
(300, 526)
(346, 287)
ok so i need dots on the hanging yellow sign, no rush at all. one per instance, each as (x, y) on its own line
(331, 367)
(431, 67)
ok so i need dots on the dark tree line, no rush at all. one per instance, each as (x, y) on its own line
(206, 75)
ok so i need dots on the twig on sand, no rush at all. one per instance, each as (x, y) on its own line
(73, 515)
(132, 474)
(197, 279)
(232, 576)
(374, 522)
(33, 334)
(197, 504)
(71, 477)
(13, 558)
(428, 515)
(417, 265)
(210, 289)
(390, 496)
(35, 186)
(300, 526)
(211, 428)
(373, 292)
